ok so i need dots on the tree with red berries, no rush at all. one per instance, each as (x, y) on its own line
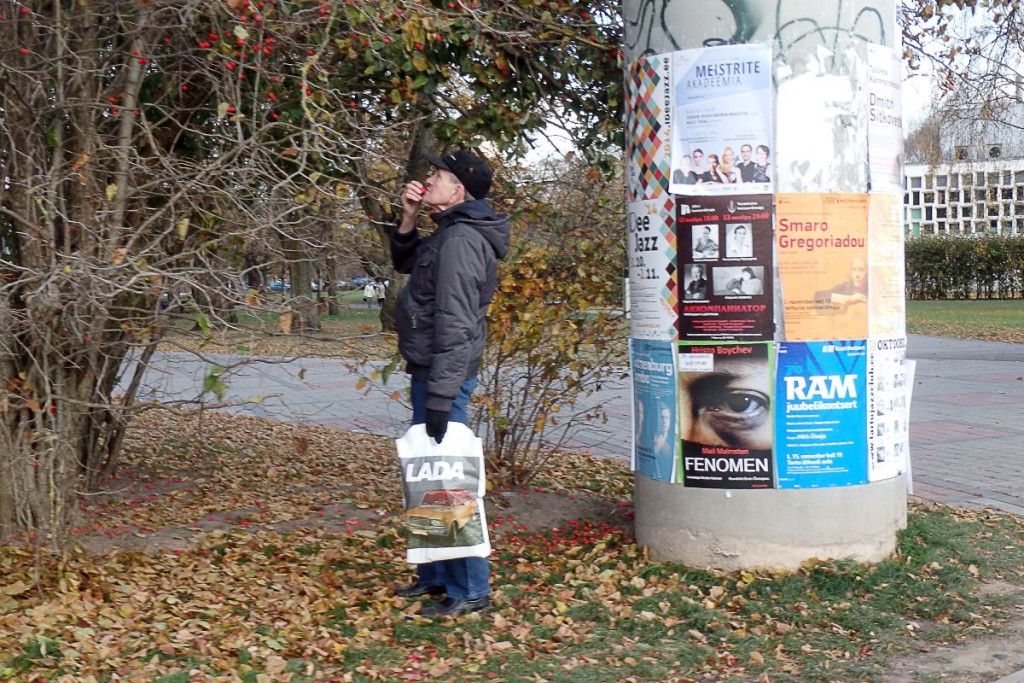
(165, 157)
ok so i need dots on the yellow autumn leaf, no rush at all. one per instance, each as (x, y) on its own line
(182, 228)
(117, 258)
(284, 323)
(111, 192)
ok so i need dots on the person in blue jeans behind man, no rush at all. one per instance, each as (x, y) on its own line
(441, 324)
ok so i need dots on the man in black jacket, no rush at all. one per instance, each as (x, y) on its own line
(442, 329)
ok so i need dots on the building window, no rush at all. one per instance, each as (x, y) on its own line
(940, 181)
(961, 154)
(915, 182)
(979, 178)
(954, 180)
(995, 151)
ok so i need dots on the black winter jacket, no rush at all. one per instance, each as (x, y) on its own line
(441, 312)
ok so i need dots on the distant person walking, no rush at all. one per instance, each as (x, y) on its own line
(369, 294)
(381, 292)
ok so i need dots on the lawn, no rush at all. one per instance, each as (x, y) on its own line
(1001, 320)
(232, 548)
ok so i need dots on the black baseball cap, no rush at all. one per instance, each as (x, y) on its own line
(472, 171)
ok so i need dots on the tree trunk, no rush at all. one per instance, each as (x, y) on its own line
(301, 271)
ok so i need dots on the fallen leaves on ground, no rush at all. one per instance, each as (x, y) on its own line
(233, 548)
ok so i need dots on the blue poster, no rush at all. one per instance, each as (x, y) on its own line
(654, 409)
(821, 426)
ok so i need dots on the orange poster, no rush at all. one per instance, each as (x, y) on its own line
(821, 246)
(886, 278)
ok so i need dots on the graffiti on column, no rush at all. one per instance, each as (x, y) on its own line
(747, 16)
(822, 76)
(650, 17)
(648, 31)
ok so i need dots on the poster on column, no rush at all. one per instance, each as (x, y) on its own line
(887, 307)
(651, 254)
(822, 136)
(821, 427)
(725, 264)
(725, 415)
(722, 120)
(888, 414)
(885, 120)
(654, 409)
(648, 132)
(821, 249)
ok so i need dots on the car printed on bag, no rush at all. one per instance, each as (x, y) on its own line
(441, 513)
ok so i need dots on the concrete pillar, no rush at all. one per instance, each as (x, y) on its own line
(767, 319)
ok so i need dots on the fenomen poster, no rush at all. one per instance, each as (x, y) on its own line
(725, 415)
(725, 268)
(821, 419)
(654, 409)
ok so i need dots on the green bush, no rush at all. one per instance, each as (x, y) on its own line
(953, 267)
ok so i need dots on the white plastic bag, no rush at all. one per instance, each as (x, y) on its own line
(443, 486)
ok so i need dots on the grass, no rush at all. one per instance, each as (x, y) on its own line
(1001, 320)
(575, 601)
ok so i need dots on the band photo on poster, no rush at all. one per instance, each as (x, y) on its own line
(722, 114)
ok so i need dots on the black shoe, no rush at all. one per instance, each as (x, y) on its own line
(453, 606)
(416, 589)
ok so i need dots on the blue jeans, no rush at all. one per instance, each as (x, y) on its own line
(465, 578)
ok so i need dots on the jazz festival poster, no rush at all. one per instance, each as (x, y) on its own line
(820, 427)
(888, 408)
(821, 248)
(654, 409)
(725, 268)
(886, 275)
(725, 415)
(651, 254)
(722, 120)
(885, 119)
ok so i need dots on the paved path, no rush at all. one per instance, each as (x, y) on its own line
(966, 429)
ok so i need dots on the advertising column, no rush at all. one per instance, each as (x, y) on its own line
(768, 345)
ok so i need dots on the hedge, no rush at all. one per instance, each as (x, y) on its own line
(956, 267)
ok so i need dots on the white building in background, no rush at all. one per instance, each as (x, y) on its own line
(965, 198)
(977, 187)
